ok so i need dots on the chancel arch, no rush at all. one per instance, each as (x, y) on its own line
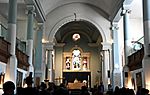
(80, 59)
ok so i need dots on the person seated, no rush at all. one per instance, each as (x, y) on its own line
(8, 88)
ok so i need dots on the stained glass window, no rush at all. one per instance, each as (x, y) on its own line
(76, 59)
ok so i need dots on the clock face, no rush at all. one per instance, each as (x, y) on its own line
(137, 46)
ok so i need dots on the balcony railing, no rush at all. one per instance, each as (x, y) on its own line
(22, 59)
(5, 47)
(3, 32)
(4, 50)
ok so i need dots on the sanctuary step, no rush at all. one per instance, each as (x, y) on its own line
(75, 92)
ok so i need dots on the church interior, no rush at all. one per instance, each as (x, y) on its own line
(75, 42)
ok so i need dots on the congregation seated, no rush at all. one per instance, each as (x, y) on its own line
(52, 89)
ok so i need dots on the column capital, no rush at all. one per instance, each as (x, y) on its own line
(125, 11)
(31, 9)
(48, 46)
(40, 27)
(107, 45)
(114, 26)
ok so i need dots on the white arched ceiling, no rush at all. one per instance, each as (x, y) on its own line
(106, 6)
(65, 14)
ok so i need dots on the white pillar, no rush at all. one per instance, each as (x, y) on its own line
(126, 24)
(117, 68)
(11, 69)
(49, 65)
(106, 64)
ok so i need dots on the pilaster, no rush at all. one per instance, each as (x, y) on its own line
(106, 64)
(38, 55)
(126, 24)
(31, 9)
(48, 47)
(116, 70)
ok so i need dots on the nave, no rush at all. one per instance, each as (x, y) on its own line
(60, 42)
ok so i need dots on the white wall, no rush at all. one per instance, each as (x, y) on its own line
(135, 28)
(22, 30)
(3, 21)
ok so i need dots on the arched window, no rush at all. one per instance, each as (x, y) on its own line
(76, 59)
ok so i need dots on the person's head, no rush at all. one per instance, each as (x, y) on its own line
(8, 88)
(29, 81)
(43, 86)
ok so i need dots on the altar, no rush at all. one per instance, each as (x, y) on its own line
(70, 77)
(75, 85)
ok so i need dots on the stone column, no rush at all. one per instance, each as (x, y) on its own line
(11, 69)
(106, 64)
(117, 68)
(126, 24)
(146, 60)
(31, 9)
(38, 55)
(49, 65)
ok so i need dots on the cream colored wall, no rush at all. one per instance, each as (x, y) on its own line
(95, 65)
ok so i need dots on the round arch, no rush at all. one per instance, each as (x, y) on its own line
(71, 18)
(58, 18)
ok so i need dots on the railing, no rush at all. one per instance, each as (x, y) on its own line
(3, 32)
(22, 59)
(5, 47)
(4, 50)
(19, 44)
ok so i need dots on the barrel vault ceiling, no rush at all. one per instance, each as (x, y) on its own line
(107, 8)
